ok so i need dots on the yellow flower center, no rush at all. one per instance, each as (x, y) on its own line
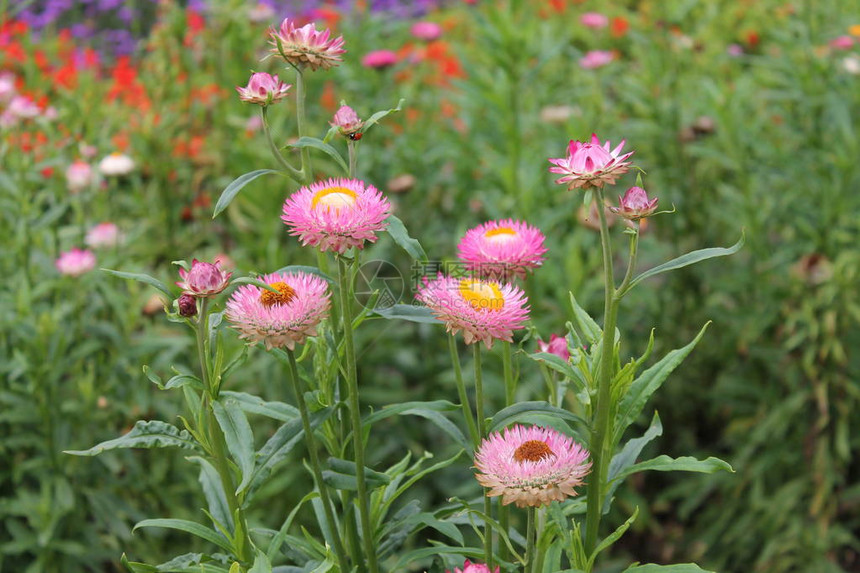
(334, 198)
(285, 294)
(482, 295)
(500, 235)
(532, 451)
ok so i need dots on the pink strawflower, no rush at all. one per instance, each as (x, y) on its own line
(735, 50)
(557, 345)
(596, 59)
(281, 319)
(469, 567)
(336, 214)
(502, 250)
(427, 31)
(79, 176)
(379, 59)
(261, 12)
(103, 235)
(306, 46)
(842, 43)
(594, 20)
(204, 279)
(263, 89)
(531, 465)
(590, 164)
(7, 86)
(635, 204)
(347, 121)
(76, 262)
(485, 311)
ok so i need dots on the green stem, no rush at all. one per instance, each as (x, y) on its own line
(315, 462)
(482, 430)
(352, 148)
(216, 437)
(530, 540)
(461, 390)
(631, 264)
(355, 415)
(510, 397)
(294, 173)
(604, 381)
(307, 170)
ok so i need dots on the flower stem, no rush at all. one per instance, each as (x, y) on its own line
(355, 415)
(294, 173)
(352, 148)
(482, 431)
(601, 429)
(216, 437)
(631, 264)
(307, 170)
(510, 397)
(531, 557)
(461, 390)
(315, 462)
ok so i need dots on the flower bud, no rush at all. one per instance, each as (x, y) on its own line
(187, 305)
(347, 122)
(557, 345)
(263, 89)
(635, 204)
(204, 279)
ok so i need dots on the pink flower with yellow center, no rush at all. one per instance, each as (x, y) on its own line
(484, 311)
(502, 250)
(306, 46)
(590, 164)
(336, 214)
(531, 465)
(469, 567)
(263, 89)
(635, 204)
(283, 318)
(75, 262)
(204, 279)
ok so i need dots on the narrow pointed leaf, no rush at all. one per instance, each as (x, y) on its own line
(213, 491)
(143, 278)
(678, 568)
(682, 464)
(239, 437)
(237, 185)
(191, 527)
(144, 434)
(373, 119)
(398, 232)
(319, 144)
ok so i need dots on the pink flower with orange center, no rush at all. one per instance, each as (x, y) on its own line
(283, 318)
(203, 279)
(531, 466)
(306, 46)
(263, 89)
(590, 164)
(485, 311)
(502, 250)
(336, 214)
(75, 262)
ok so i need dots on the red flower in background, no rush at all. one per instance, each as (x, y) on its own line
(619, 27)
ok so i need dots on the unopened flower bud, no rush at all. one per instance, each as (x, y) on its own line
(187, 305)
(635, 204)
(347, 122)
(263, 89)
(204, 279)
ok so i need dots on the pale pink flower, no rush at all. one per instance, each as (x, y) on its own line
(531, 466)
(103, 235)
(485, 311)
(306, 46)
(469, 567)
(427, 31)
(590, 164)
(594, 20)
(76, 262)
(79, 176)
(253, 123)
(735, 50)
(379, 59)
(204, 279)
(7, 86)
(261, 12)
(347, 121)
(336, 214)
(116, 164)
(635, 204)
(557, 345)
(225, 261)
(281, 319)
(842, 43)
(263, 89)
(596, 59)
(502, 250)
(22, 107)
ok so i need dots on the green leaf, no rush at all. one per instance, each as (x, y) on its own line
(135, 567)
(562, 366)
(688, 259)
(237, 185)
(408, 312)
(583, 322)
(525, 411)
(143, 278)
(405, 559)
(191, 527)
(398, 232)
(444, 527)
(145, 434)
(213, 491)
(647, 383)
(342, 475)
(678, 568)
(239, 437)
(612, 538)
(306, 269)
(322, 146)
(682, 464)
(428, 410)
(373, 119)
(255, 405)
(627, 457)
(261, 564)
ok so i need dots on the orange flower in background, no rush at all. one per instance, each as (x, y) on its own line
(752, 38)
(328, 100)
(619, 26)
(854, 30)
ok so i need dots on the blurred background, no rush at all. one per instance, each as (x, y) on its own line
(742, 113)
